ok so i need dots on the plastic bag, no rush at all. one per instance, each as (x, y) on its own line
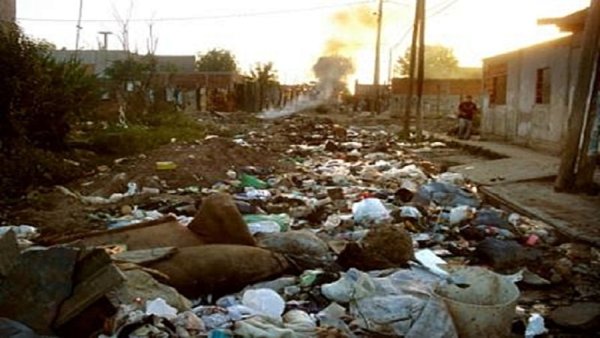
(370, 210)
(264, 301)
(252, 181)
(159, 307)
(283, 220)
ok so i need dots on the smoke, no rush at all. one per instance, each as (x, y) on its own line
(332, 71)
(353, 30)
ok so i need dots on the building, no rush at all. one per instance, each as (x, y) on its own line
(98, 60)
(8, 10)
(441, 97)
(529, 91)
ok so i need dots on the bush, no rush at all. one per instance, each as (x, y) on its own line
(40, 96)
(29, 167)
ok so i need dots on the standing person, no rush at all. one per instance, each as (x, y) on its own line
(466, 112)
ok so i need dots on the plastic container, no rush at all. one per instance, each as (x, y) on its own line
(485, 308)
(166, 165)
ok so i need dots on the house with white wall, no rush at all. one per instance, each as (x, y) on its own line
(528, 92)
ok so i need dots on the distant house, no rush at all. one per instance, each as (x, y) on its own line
(176, 74)
(529, 91)
(98, 60)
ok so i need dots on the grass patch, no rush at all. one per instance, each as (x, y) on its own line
(157, 130)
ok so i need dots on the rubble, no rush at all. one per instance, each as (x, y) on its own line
(357, 237)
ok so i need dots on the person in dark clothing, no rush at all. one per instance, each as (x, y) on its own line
(466, 112)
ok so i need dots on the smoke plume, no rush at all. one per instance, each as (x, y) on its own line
(332, 71)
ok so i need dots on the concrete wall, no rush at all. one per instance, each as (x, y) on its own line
(521, 120)
(441, 97)
(8, 10)
(433, 105)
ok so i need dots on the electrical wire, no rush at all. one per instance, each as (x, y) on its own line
(211, 17)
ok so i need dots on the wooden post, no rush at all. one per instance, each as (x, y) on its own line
(377, 57)
(411, 74)
(586, 165)
(421, 69)
(566, 174)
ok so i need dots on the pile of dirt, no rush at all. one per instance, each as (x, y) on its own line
(198, 165)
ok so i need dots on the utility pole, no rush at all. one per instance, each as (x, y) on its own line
(581, 100)
(78, 26)
(377, 57)
(589, 146)
(411, 73)
(420, 69)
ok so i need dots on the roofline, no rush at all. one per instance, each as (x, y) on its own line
(567, 38)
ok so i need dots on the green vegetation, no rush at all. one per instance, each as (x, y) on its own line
(158, 130)
(265, 76)
(40, 96)
(45, 106)
(440, 62)
(216, 60)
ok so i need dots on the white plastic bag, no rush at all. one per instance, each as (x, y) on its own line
(264, 301)
(159, 307)
(370, 210)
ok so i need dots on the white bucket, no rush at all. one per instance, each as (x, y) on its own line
(485, 308)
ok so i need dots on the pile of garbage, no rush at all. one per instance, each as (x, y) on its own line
(362, 238)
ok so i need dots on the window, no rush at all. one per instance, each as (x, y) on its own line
(498, 90)
(542, 86)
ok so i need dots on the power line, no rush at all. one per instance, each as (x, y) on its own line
(211, 17)
(445, 6)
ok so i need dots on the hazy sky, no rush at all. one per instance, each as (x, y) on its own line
(293, 34)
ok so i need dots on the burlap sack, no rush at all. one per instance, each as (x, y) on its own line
(219, 268)
(219, 222)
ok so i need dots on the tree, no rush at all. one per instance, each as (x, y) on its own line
(40, 96)
(265, 76)
(440, 62)
(216, 60)
(132, 79)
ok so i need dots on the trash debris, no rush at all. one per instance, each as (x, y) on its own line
(219, 221)
(282, 221)
(485, 308)
(582, 315)
(264, 301)
(208, 269)
(535, 326)
(302, 247)
(252, 181)
(381, 248)
(355, 233)
(370, 211)
(159, 307)
(166, 165)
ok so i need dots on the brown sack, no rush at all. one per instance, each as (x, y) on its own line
(165, 232)
(219, 268)
(302, 247)
(219, 222)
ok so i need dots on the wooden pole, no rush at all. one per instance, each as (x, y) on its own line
(421, 69)
(586, 166)
(78, 26)
(411, 74)
(377, 57)
(566, 173)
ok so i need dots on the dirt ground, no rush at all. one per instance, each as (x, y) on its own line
(264, 148)
(199, 164)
